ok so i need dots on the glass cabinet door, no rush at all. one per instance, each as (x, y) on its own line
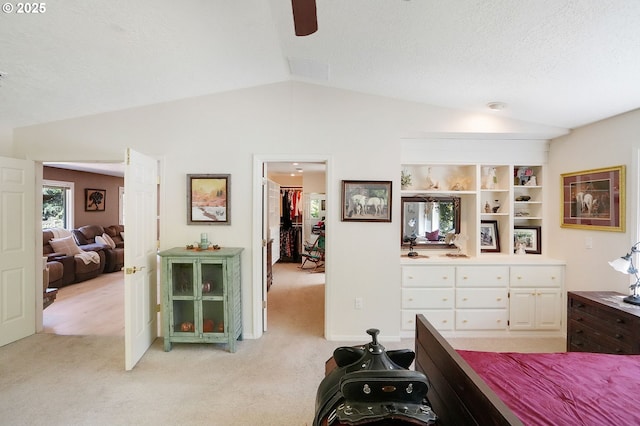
(183, 316)
(213, 312)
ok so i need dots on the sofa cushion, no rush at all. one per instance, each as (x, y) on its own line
(108, 240)
(66, 245)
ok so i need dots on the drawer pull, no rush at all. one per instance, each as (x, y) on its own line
(444, 299)
(499, 299)
(498, 277)
(618, 336)
(464, 278)
(410, 277)
(444, 321)
(464, 321)
(619, 320)
(519, 277)
(445, 277)
(464, 299)
(579, 319)
(411, 299)
(499, 321)
(580, 305)
(579, 331)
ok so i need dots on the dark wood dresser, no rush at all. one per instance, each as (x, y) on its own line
(599, 321)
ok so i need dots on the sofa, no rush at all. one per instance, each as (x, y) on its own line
(75, 269)
(87, 238)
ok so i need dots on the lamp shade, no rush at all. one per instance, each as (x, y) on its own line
(622, 264)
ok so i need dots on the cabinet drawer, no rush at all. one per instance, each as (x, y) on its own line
(583, 338)
(440, 319)
(482, 276)
(485, 319)
(603, 321)
(431, 298)
(535, 276)
(428, 276)
(481, 298)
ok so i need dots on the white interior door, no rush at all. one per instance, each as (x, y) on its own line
(18, 280)
(265, 238)
(140, 255)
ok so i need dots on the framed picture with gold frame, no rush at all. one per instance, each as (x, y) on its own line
(208, 199)
(594, 199)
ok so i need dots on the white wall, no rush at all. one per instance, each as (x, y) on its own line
(611, 142)
(221, 133)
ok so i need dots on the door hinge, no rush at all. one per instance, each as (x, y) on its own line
(264, 243)
(158, 308)
(264, 304)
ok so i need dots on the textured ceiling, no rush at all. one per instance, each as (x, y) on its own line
(554, 62)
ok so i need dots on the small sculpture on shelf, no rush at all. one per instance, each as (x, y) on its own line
(459, 183)
(431, 183)
(496, 206)
(489, 178)
(459, 241)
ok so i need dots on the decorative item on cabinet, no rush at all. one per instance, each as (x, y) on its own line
(489, 178)
(625, 265)
(527, 239)
(489, 238)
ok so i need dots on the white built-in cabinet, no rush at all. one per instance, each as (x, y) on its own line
(478, 296)
(509, 194)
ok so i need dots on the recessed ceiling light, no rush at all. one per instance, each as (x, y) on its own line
(496, 106)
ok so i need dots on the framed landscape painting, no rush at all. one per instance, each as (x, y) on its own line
(489, 238)
(208, 201)
(594, 199)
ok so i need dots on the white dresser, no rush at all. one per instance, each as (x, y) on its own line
(472, 297)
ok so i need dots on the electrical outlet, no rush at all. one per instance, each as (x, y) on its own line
(357, 303)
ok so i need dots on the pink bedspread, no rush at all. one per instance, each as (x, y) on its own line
(572, 388)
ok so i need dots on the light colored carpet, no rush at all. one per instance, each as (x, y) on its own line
(49, 379)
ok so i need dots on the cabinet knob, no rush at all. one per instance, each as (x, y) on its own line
(579, 331)
(498, 277)
(444, 321)
(444, 299)
(498, 299)
(619, 320)
(553, 278)
(618, 336)
(411, 299)
(499, 321)
(533, 294)
(445, 277)
(464, 299)
(519, 277)
(464, 278)
(410, 277)
(464, 321)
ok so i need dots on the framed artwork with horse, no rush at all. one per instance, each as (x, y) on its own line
(594, 199)
(366, 201)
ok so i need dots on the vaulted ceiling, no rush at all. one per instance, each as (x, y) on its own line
(562, 63)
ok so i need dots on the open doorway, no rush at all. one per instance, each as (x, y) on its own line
(294, 207)
(84, 306)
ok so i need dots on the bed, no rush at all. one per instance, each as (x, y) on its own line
(572, 388)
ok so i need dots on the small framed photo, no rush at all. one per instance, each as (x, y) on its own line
(527, 239)
(366, 201)
(208, 199)
(95, 200)
(594, 199)
(489, 238)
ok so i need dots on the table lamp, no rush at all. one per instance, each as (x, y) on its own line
(625, 265)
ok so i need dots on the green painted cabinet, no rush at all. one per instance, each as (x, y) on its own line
(201, 297)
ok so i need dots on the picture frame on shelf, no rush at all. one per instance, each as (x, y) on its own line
(528, 239)
(489, 237)
(95, 200)
(366, 201)
(594, 199)
(208, 199)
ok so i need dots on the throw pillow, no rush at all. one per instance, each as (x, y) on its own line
(433, 236)
(66, 245)
(109, 240)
